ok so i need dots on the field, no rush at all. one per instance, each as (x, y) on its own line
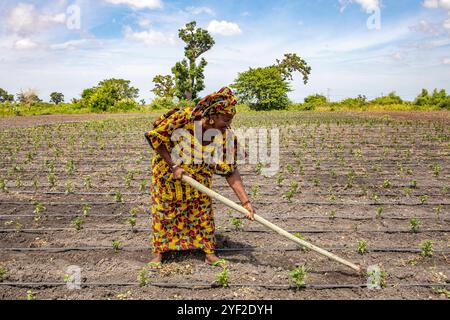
(370, 187)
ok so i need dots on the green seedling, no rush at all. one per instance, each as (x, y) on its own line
(361, 246)
(236, 222)
(143, 186)
(223, 277)
(78, 223)
(427, 249)
(380, 211)
(31, 295)
(86, 209)
(414, 224)
(116, 244)
(2, 273)
(423, 199)
(87, 182)
(118, 197)
(298, 276)
(143, 277)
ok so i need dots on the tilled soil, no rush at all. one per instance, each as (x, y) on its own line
(369, 184)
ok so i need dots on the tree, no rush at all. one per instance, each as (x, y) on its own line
(56, 97)
(292, 62)
(188, 75)
(423, 98)
(266, 88)
(438, 96)
(262, 88)
(5, 96)
(28, 97)
(164, 86)
(110, 94)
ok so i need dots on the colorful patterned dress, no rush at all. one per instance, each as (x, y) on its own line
(182, 217)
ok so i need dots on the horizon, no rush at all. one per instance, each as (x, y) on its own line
(367, 47)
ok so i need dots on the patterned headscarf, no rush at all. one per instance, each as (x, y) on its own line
(220, 102)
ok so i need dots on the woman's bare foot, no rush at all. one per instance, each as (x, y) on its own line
(214, 260)
(155, 263)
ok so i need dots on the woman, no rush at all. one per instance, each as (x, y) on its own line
(182, 217)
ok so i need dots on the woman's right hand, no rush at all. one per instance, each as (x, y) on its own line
(178, 173)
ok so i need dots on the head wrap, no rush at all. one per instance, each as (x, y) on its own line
(220, 102)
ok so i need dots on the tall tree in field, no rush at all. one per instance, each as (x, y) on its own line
(56, 97)
(188, 74)
(5, 96)
(267, 88)
(164, 86)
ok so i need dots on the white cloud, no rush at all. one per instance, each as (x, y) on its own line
(150, 37)
(446, 61)
(25, 44)
(139, 4)
(427, 27)
(366, 5)
(224, 28)
(436, 4)
(200, 10)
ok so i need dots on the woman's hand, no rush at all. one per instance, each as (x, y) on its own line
(251, 211)
(178, 173)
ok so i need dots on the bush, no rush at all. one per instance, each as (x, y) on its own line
(391, 98)
(445, 104)
(111, 94)
(162, 103)
(316, 99)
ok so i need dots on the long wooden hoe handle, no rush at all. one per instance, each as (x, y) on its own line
(267, 223)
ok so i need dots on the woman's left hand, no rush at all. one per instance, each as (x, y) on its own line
(251, 211)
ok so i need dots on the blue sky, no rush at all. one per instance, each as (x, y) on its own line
(354, 47)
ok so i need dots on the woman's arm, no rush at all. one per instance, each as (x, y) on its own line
(235, 182)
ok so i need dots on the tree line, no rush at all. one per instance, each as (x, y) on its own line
(263, 88)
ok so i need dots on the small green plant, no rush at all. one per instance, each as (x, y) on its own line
(118, 197)
(387, 184)
(436, 169)
(361, 246)
(255, 191)
(143, 277)
(38, 209)
(78, 223)
(423, 199)
(143, 186)
(70, 165)
(3, 184)
(51, 179)
(427, 249)
(2, 273)
(68, 187)
(68, 278)
(290, 169)
(236, 222)
(116, 244)
(31, 295)
(280, 179)
(442, 291)
(86, 209)
(298, 276)
(131, 221)
(438, 210)
(87, 182)
(259, 167)
(380, 211)
(316, 182)
(223, 277)
(376, 196)
(414, 224)
(413, 184)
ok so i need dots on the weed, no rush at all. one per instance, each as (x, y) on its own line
(414, 224)
(223, 277)
(78, 223)
(298, 276)
(361, 246)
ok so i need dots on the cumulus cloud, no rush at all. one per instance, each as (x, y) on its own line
(139, 4)
(200, 10)
(436, 4)
(427, 27)
(224, 28)
(149, 37)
